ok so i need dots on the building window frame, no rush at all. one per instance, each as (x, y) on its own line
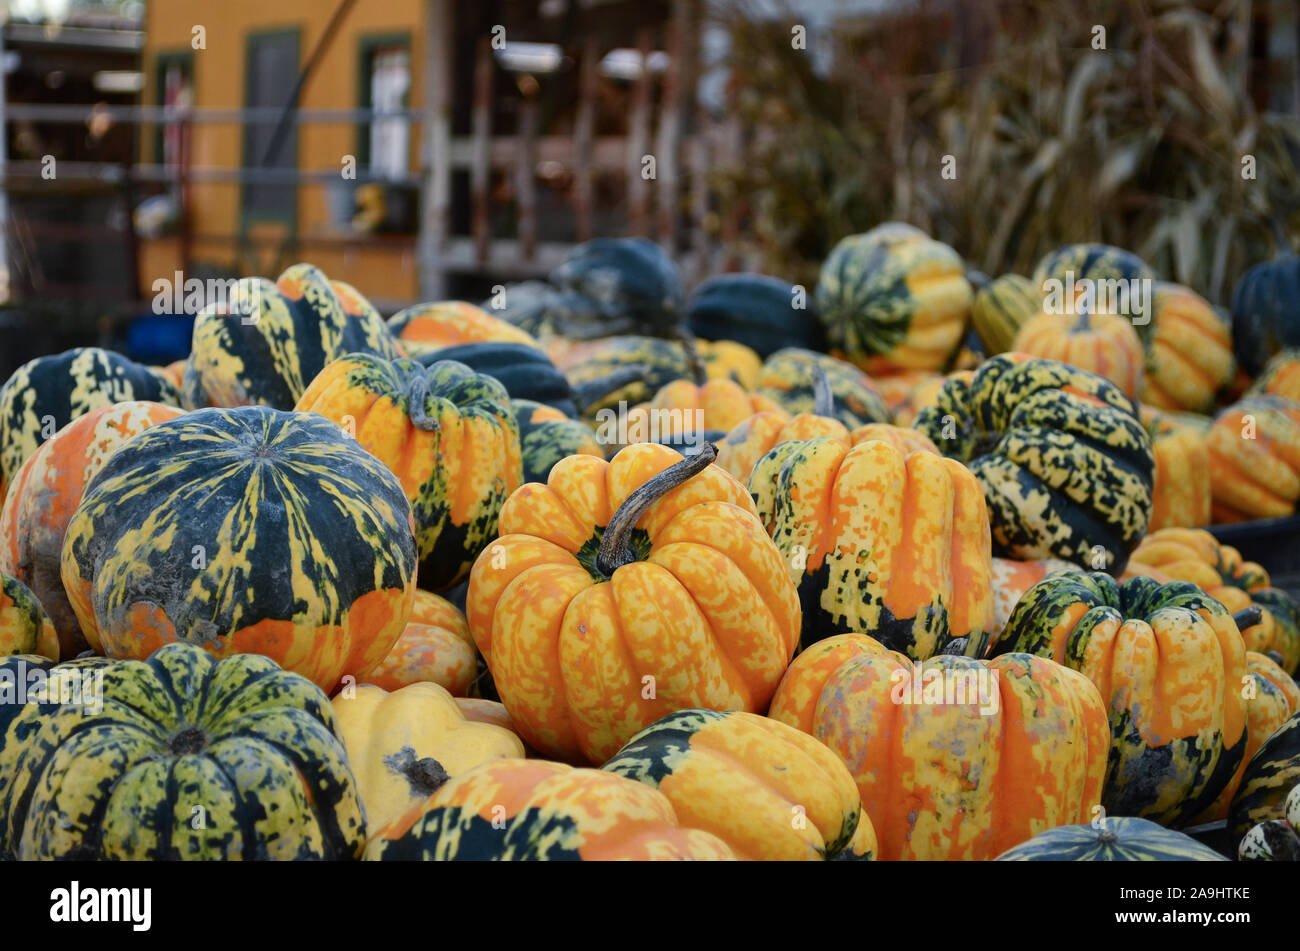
(251, 216)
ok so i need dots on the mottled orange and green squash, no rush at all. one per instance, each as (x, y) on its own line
(1170, 663)
(48, 393)
(1001, 308)
(954, 758)
(1105, 344)
(1112, 839)
(434, 647)
(880, 542)
(1012, 578)
(1065, 464)
(790, 380)
(532, 810)
(1255, 459)
(424, 328)
(1268, 778)
(246, 530)
(1280, 376)
(894, 299)
(1180, 495)
(25, 627)
(47, 491)
(730, 360)
(1189, 352)
(189, 758)
(896, 390)
(1090, 262)
(270, 340)
(403, 745)
(685, 407)
(546, 436)
(448, 434)
(621, 591)
(768, 790)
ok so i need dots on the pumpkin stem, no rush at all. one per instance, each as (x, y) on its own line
(693, 361)
(1248, 617)
(585, 394)
(416, 393)
(613, 553)
(823, 401)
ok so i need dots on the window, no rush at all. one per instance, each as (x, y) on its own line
(384, 143)
(271, 74)
(175, 90)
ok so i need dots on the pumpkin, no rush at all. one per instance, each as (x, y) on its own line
(896, 390)
(246, 530)
(1112, 839)
(1012, 578)
(25, 628)
(661, 362)
(1169, 661)
(435, 647)
(405, 744)
(789, 379)
(768, 790)
(1089, 267)
(448, 434)
(1001, 307)
(1274, 840)
(882, 542)
(1269, 775)
(1104, 344)
(1189, 358)
(1065, 464)
(266, 344)
(926, 394)
(1264, 320)
(621, 591)
(546, 436)
(48, 393)
(1180, 493)
(1280, 376)
(174, 372)
(250, 749)
(954, 758)
(426, 328)
(545, 312)
(514, 810)
(685, 407)
(46, 492)
(635, 286)
(1255, 459)
(765, 313)
(894, 299)
(729, 360)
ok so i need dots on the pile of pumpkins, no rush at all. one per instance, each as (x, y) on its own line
(445, 586)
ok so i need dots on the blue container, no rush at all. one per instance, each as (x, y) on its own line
(159, 339)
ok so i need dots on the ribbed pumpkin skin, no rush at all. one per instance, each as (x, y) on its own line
(1001, 308)
(256, 746)
(425, 328)
(1094, 262)
(768, 790)
(48, 393)
(25, 628)
(1064, 461)
(707, 610)
(47, 491)
(880, 542)
(1180, 496)
(1189, 358)
(267, 357)
(1120, 839)
(435, 646)
(664, 360)
(546, 436)
(1169, 661)
(402, 745)
(1264, 320)
(1106, 345)
(448, 434)
(1275, 697)
(891, 299)
(1280, 376)
(722, 405)
(1255, 459)
(1037, 762)
(789, 379)
(543, 812)
(754, 309)
(729, 360)
(525, 371)
(245, 531)
(1269, 775)
(1012, 578)
(629, 279)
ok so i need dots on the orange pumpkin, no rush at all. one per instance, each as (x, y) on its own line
(1105, 344)
(424, 328)
(46, 492)
(1280, 376)
(627, 589)
(1255, 459)
(1000, 751)
(685, 407)
(1012, 578)
(435, 646)
(896, 390)
(1180, 495)
(1189, 356)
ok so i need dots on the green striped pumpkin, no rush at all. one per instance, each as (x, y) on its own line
(244, 530)
(188, 758)
(663, 360)
(789, 378)
(1270, 775)
(48, 393)
(266, 344)
(546, 436)
(1066, 464)
(1113, 839)
(1001, 308)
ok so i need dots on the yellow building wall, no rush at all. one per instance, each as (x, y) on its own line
(384, 273)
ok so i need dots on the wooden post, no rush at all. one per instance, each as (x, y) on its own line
(583, 134)
(435, 205)
(638, 141)
(481, 169)
(526, 177)
(670, 132)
